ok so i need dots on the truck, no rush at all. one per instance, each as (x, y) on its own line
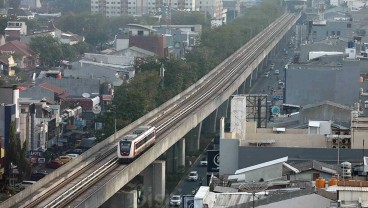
(87, 143)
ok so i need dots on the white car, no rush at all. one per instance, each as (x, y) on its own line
(204, 161)
(26, 184)
(193, 176)
(175, 200)
(73, 156)
(277, 72)
(272, 66)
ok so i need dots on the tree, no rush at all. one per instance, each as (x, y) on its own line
(48, 49)
(16, 155)
(70, 53)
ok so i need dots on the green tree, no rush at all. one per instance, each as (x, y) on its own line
(48, 49)
(83, 47)
(70, 53)
(17, 155)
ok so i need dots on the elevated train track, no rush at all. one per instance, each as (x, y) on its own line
(72, 188)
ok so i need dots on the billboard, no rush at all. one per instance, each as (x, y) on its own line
(188, 201)
(213, 161)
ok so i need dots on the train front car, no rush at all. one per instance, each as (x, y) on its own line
(125, 148)
(133, 145)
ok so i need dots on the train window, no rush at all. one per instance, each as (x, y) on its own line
(125, 146)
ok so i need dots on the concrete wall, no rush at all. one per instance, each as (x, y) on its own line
(268, 173)
(325, 113)
(255, 155)
(228, 156)
(289, 138)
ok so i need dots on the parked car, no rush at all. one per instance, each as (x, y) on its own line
(272, 66)
(73, 156)
(203, 161)
(65, 159)
(37, 176)
(25, 184)
(175, 200)
(266, 74)
(193, 176)
(277, 72)
(54, 164)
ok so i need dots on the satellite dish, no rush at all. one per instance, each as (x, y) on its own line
(96, 109)
(86, 95)
(275, 109)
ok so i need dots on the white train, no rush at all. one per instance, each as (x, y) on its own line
(132, 145)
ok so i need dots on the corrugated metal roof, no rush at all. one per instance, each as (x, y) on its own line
(262, 165)
(351, 188)
(227, 200)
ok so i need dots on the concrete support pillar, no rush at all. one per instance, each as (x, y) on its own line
(241, 89)
(171, 159)
(154, 183)
(193, 142)
(123, 199)
(257, 71)
(181, 152)
(250, 80)
(209, 123)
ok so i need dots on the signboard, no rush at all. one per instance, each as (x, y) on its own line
(213, 161)
(188, 201)
(278, 97)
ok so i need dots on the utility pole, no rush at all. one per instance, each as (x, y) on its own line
(162, 75)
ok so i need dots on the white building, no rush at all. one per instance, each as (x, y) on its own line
(111, 8)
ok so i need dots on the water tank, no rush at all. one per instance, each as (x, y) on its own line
(346, 170)
(320, 183)
(351, 44)
(332, 181)
(354, 115)
(357, 106)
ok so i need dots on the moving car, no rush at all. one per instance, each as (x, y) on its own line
(193, 176)
(204, 161)
(266, 74)
(272, 66)
(175, 200)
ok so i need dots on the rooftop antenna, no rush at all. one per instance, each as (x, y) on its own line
(254, 187)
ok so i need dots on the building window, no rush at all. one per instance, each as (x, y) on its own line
(338, 33)
(326, 33)
(333, 33)
(140, 32)
(349, 25)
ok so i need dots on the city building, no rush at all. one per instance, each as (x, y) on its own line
(111, 8)
(24, 59)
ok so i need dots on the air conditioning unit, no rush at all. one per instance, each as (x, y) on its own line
(346, 141)
(344, 147)
(334, 141)
(334, 146)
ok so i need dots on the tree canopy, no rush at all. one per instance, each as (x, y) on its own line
(50, 51)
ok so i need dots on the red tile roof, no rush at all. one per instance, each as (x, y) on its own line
(19, 48)
(53, 88)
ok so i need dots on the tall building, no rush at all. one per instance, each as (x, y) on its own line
(114, 8)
